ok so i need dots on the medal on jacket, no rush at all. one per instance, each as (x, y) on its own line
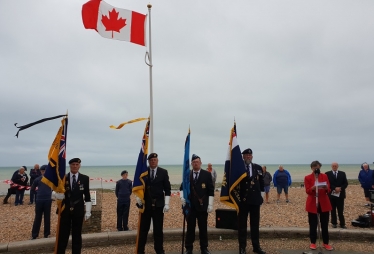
(203, 185)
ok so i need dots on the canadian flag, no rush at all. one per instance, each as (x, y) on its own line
(114, 23)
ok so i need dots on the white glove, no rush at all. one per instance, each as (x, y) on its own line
(139, 201)
(88, 210)
(182, 198)
(58, 196)
(166, 207)
(262, 194)
(210, 206)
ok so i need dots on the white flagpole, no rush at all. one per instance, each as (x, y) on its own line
(150, 83)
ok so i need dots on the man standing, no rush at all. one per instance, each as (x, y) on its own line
(267, 180)
(282, 180)
(157, 197)
(251, 198)
(201, 198)
(77, 190)
(213, 172)
(34, 173)
(42, 206)
(123, 192)
(366, 179)
(338, 184)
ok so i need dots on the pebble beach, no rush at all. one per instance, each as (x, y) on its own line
(17, 221)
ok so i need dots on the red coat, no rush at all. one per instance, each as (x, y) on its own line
(323, 198)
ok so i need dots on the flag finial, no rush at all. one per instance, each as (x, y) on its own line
(149, 6)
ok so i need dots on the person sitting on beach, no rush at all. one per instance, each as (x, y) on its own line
(322, 208)
(267, 180)
(282, 180)
(11, 189)
(21, 179)
(123, 192)
(366, 179)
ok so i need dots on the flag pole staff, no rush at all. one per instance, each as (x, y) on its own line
(150, 79)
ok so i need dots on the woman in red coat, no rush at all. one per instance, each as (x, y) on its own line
(324, 206)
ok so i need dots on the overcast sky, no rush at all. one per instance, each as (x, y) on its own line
(297, 76)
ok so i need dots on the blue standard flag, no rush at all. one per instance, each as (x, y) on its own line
(186, 175)
(234, 173)
(54, 175)
(141, 171)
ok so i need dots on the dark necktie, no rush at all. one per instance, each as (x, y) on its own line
(74, 182)
(336, 174)
(152, 175)
(195, 179)
(249, 171)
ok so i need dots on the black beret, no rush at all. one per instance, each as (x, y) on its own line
(152, 155)
(247, 151)
(24, 168)
(124, 172)
(194, 157)
(44, 167)
(75, 160)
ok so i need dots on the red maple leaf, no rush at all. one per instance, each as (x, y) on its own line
(113, 23)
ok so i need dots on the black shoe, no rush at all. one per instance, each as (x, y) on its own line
(259, 251)
(5, 202)
(343, 227)
(242, 251)
(205, 251)
(188, 252)
(33, 238)
(30, 203)
(334, 226)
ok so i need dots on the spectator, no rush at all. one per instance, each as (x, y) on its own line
(123, 192)
(21, 179)
(267, 180)
(282, 180)
(213, 172)
(43, 204)
(365, 177)
(338, 184)
(34, 173)
(11, 190)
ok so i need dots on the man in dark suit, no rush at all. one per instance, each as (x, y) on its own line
(201, 198)
(338, 184)
(77, 190)
(156, 198)
(251, 198)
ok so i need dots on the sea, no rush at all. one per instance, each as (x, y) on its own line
(106, 176)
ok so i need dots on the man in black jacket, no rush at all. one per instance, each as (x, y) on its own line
(201, 199)
(77, 190)
(156, 198)
(338, 184)
(251, 198)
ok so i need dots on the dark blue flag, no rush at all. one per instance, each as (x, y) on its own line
(186, 175)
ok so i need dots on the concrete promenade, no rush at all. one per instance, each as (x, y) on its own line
(113, 238)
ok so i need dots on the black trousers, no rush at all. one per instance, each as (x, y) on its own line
(202, 222)
(69, 221)
(123, 209)
(10, 192)
(42, 207)
(313, 224)
(157, 216)
(254, 221)
(337, 204)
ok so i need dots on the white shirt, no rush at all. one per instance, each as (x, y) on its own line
(71, 179)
